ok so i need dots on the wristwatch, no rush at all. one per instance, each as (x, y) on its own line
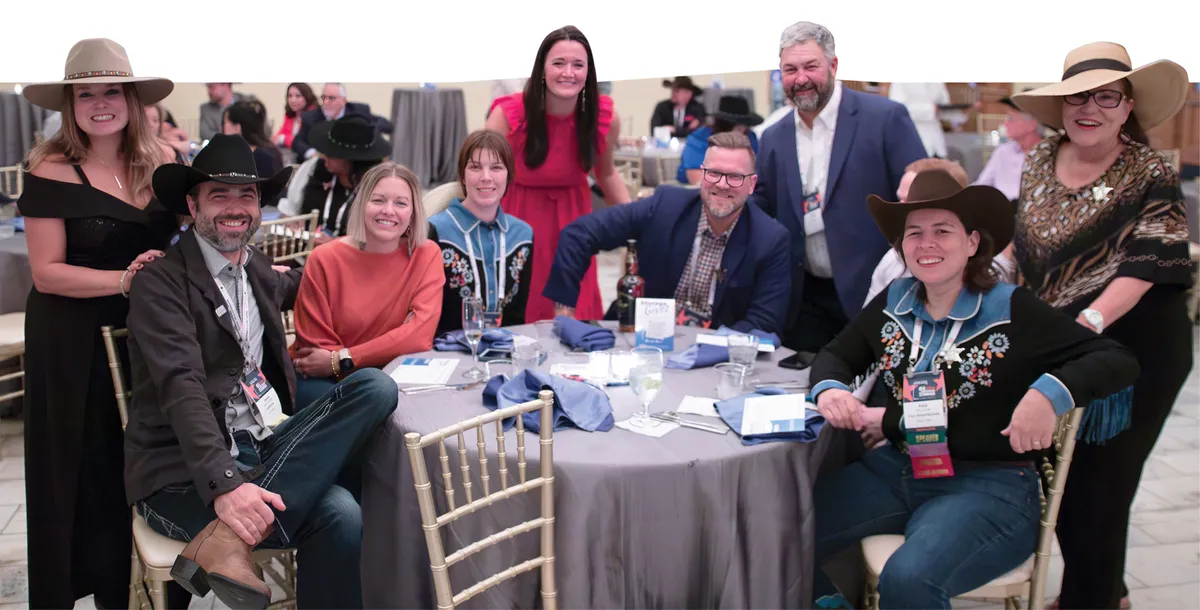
(345, 362)
(1094, 318)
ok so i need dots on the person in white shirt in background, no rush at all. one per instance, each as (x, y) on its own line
(891, 267)
(922, 101)
(1004, 166)
(780, 112)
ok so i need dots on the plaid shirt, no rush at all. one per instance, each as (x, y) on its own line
(696, 284)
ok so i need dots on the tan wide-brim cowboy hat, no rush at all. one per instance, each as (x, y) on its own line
(981, 208)
(97, 60)
(1159, 88)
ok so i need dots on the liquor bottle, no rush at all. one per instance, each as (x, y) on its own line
(630, 288)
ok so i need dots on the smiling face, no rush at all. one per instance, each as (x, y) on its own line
(485, 178)
(566, 69)
(388, 212)
(937, 247)
(332, 101)
(227, 215)
(100, 109)
(808, 76)
(295, 99)
(727, 165)
(1092, 123)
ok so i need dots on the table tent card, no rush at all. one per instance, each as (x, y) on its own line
(654, 323)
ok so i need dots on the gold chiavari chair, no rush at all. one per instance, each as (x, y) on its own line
(1172, 155)
(1028, 579)
(432, 523)
(12, 345)
(438, 198)
(290, 237)
(153, 553)
(668, 167)
(12, 181)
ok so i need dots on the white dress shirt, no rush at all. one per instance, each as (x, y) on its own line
(814, 147)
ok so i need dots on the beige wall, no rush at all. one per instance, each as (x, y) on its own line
(634, 99)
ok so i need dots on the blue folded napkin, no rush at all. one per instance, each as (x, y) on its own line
(701, 355)
(576, 404)
(495, 343)
(731, 411)
(18, 223)
(581, 336)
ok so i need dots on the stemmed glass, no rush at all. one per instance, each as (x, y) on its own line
(473, 325)
(646, 379)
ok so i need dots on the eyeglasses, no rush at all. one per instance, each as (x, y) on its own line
(330, 98)
(1105, 98)
(733, 180)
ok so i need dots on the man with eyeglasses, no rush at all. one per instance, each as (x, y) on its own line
(334, 105)
(724, 262)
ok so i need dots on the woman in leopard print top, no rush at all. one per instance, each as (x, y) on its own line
(1102, 235)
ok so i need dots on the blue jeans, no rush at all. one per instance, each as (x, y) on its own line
(309, 389)
(314, 461)
(960, 531)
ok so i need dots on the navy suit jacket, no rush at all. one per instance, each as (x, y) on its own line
(874, 141)
(753, 292)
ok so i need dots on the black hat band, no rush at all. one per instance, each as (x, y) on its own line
(1103, 63)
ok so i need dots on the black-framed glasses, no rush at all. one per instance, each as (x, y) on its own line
(734, 180)
(1105, 98)
(330, 98)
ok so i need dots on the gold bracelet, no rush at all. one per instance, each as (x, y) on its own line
(333, 363)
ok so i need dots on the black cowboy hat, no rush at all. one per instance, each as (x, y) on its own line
(981, 208)
(353, 138)
(226, 159)
(736, 110)
(684, 82)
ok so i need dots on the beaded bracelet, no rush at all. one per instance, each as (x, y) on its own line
(333, 363)
(125, 293)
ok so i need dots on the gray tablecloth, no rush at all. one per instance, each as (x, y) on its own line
(15, 277)
(430, 126)
(692, 519)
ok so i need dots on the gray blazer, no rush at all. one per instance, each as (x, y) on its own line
(185, 363)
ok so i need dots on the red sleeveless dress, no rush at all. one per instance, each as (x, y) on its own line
(549, 197)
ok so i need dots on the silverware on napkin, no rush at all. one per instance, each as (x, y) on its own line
(423, 389)
(673, 417)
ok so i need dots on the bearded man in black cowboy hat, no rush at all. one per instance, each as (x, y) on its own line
(681, 113)
(216, 453)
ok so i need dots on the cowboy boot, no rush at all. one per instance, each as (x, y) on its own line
(218, 559)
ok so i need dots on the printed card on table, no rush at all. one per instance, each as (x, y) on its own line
(424, 370)
(773, 414)
(654, 323)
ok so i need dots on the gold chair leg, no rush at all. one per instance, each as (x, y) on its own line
(158, 595)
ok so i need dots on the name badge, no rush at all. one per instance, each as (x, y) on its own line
(925, 424)
(814, 219)
(220, 310)
(267, 408)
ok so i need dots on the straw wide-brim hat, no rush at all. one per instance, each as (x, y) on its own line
(981, 208)
(1159, 88)
(97, 60)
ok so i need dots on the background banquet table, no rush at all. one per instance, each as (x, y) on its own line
(692, 519)
(16, 279)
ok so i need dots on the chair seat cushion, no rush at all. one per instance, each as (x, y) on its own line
(878, 549)
(156, 550)
(12, 328)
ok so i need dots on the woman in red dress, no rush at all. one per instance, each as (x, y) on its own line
(560, 128)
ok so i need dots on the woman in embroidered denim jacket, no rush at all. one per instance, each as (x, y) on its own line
(1011, 366)
(485, 252)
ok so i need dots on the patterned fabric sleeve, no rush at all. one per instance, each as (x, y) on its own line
(1157, 248)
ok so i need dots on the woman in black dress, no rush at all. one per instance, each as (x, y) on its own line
(91, 224)
(1102, 235)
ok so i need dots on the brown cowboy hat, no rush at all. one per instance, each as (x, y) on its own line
(96, 60)
(1159, 88)
(683, 82)
(981, 208)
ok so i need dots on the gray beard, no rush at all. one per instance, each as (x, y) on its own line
(809, 104)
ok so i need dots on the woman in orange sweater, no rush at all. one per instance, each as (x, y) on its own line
(373, 295)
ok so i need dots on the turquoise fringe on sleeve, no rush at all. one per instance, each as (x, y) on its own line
(1105, 418)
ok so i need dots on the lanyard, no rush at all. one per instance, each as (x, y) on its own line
(499, 263)
(693, 264)
(916, 348)
(241, 321)
(337, 226)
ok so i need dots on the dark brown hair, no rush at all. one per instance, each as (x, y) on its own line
(978, 275)
(1132, 127)
(587, 104)
(485, 139)
(732, 139)
(310, 99)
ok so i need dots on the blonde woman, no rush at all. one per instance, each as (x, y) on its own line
(92, 223)
(372, 295)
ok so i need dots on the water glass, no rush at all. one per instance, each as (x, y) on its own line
(646, 379)
(502, 366)
(544, 329)
(526, 356)
(619, 365)
(743, 349)
(730, 380)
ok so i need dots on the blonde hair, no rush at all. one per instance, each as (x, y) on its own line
(418, 227)
(141, 147)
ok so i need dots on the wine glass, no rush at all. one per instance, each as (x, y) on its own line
(646, 379)
(473, 325)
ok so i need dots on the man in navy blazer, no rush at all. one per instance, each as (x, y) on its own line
(816, 167)
(724, 262)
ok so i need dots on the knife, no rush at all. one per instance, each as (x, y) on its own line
(689, 424)
(434, 388)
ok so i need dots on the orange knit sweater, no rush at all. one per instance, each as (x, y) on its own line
(380, 306)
